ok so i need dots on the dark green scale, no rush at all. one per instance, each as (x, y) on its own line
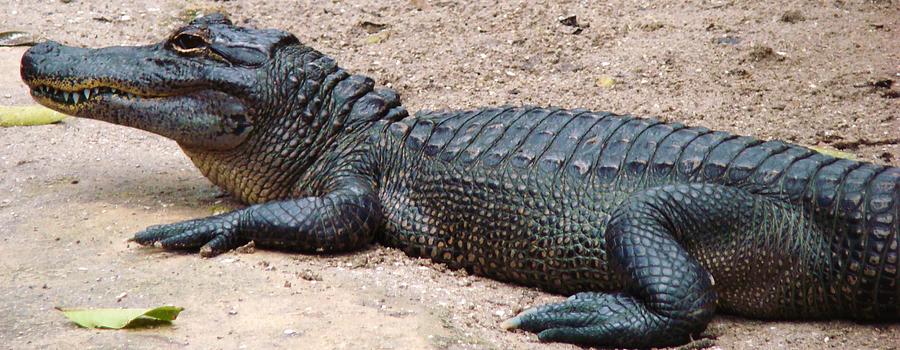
(522, 195)
(462, 208)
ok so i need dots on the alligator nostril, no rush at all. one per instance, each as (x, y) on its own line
(43, 48)
(34, 56)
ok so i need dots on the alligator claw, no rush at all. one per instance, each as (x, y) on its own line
(585, 318)
(214, 235)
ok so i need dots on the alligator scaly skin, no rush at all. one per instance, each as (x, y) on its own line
(526, 195)
(652, 227)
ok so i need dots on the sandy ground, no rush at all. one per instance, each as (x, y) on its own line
(811, 72)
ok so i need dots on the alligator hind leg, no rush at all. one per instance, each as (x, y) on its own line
(669, 296)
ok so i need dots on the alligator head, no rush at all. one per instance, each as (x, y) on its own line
(252, 108)
(197, 87)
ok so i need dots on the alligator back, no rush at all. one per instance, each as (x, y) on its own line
(852, 205)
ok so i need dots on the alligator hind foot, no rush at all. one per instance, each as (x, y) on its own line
(669, 297)
(597, 318)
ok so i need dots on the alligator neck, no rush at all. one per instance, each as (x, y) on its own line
(329, 105)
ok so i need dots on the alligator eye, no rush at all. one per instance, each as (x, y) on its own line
(186, 42)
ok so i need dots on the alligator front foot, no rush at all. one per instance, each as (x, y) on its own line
(214, 235)
(596, 319)
(340, 221)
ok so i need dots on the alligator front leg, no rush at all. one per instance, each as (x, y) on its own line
(669, 296)
(341, 220)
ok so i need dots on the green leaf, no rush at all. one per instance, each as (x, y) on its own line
(28, 116)
(833, 152)
(606, 82)
(121, 318)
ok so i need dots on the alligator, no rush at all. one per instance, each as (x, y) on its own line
(650, 227)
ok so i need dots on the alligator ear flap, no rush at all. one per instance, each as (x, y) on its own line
(244, 56)
(210, 19)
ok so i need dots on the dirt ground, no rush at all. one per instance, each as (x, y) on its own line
(816, 73)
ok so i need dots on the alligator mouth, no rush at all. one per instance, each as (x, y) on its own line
(76, 98)
(194, 117)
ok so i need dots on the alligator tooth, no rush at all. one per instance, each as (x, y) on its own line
(65, 96)
(96, 91)
(113, 90)
(75, 97)
(87, 94)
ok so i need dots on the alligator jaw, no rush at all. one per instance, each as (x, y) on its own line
(203, 119)
(72, 99)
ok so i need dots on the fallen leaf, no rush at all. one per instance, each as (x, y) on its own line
(218, 208)
(571, 21)
(378, 38)
(833, 152)
(121, 318)
(606, 82)
(28, 116)
(372, 27)
(16, 38)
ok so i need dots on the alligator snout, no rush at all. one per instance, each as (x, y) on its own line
(43, 48)
(51, 60)
(35, 56)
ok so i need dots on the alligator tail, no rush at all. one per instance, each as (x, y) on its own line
(862, 211)
(856, 206)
